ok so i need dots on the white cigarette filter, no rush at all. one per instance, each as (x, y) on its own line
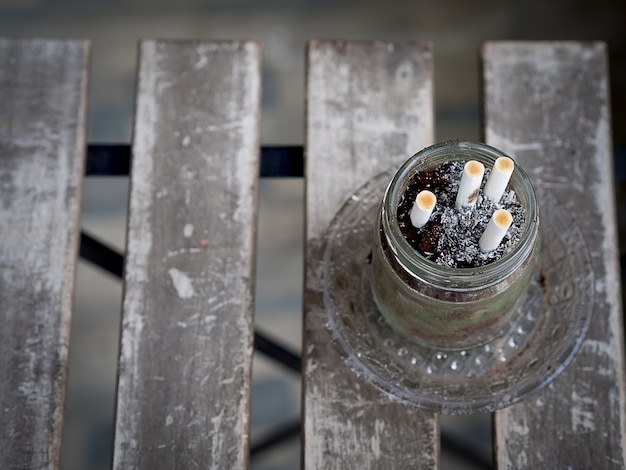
(499, 178)
(497, 227)
(423, 208)
(470, 184)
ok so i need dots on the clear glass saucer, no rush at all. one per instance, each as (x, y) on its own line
(550, 324)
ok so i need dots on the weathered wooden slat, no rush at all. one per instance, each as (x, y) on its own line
(186, 344)
(547, 104)
(43, 87)
(370, 107)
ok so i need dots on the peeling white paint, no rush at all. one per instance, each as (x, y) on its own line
(202, 62)
(583, 413)
(181, 251)
(188, 230)
(601, 348)
(217, 440)
(521, 460)
(519, 427)
(379, 427)
(227, 381)
(182, 283)
(224, 302)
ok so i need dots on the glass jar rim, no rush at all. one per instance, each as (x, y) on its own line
(412, 260)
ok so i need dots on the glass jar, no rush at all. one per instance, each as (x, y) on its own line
(440, 306)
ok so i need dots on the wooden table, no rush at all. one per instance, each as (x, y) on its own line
(187, 323)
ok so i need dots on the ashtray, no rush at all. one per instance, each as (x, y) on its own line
(547, 327)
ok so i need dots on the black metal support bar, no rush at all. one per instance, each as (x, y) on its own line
(101, 255)
(283, 161)
(464, 450)
(107, 160)
(279, 436)
(275, 351)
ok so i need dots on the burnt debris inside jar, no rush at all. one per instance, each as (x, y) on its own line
(451, 236)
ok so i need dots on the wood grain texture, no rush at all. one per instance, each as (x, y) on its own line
(370, 107)
(186, 343)
(547, 105)
(43, 87)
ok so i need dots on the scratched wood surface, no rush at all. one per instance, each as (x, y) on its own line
(186, 342)
(42, 138)
(370, 107)
(547, 104)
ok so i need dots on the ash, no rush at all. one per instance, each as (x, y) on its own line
(451, 236)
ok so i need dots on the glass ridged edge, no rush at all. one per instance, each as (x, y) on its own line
(534, 349)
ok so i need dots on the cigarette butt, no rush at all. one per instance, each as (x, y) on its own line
(499, 178)
(423, 208)
(497, 227)
(470, 184)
